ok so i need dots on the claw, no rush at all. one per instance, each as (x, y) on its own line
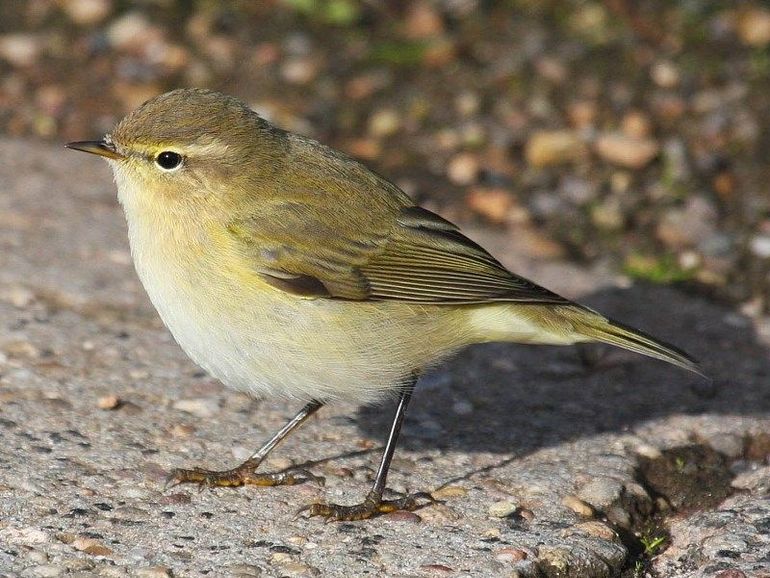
(243, 475)
(372, 506)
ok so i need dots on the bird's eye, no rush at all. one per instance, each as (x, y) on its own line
(168, 160)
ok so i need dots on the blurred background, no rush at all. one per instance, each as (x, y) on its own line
(631, 132)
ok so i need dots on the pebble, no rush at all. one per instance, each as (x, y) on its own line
(597, 529)
(463, 169)
(86, 12)
(753, 27)
(422, 21)
(19, 49)
(17, 295)
(582, 114)
(578, 506)
(601, 492)
(198, 406)
(510, 555)
(128, 30)
(153, 572)
(549, 148)
(502, 509)
(243, 571)
(448, 492)
(636, 124)
(493, 204)
(439, 514)
(665, 74)
(760, 246)
(108, 402)
(299, 71)
(626, 151)
(384, 123)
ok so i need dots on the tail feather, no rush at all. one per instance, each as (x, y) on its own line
(607, 331)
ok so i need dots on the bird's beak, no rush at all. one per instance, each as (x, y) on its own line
(96, 147)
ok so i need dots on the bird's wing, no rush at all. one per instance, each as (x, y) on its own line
(391, 252)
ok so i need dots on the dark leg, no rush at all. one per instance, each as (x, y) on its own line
(245, 474)
(373, 504)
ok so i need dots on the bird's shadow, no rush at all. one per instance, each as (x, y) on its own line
(515, 399)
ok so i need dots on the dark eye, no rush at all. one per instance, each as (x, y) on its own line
(168, 160)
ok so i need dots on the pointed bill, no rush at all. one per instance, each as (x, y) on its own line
(96, 147)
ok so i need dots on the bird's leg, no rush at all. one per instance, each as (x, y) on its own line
(373, 504)
(245, 474)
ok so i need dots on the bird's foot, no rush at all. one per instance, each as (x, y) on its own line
(243, 475)
(372, 506)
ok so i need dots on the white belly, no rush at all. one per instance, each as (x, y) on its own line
(269, 343)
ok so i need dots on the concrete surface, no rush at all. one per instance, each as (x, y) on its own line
(537, 454)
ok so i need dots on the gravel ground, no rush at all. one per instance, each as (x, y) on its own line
(598, 129)
(549, 461)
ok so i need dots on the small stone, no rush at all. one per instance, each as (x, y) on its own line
(493, 204)
(636, 124)
(243, 571)
(510, 555)
(582, 114)
(439, 514)
(17, 295)
(153, 572)
(760, 246)
(548, 148)
(22, 349)
(198, 406)
(601, 492)
(467, 103)
(384, 123)
(108, 402)
(648, 451)
(448, 492)
(299, 71)
(625, 151)
(665, 74)
(364, 148)
(463, 169)
(87, 12)
(578, 506)
(422, 21)
(83, 543)
(19, 49)
(502, 509)
(597, 529)
(124, 32)
(608, 214)
(754, 27)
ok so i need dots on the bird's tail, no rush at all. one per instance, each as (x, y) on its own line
(598, 328)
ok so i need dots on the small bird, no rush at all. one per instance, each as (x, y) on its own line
(285, 268)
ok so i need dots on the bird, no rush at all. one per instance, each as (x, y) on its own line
(288, 269)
